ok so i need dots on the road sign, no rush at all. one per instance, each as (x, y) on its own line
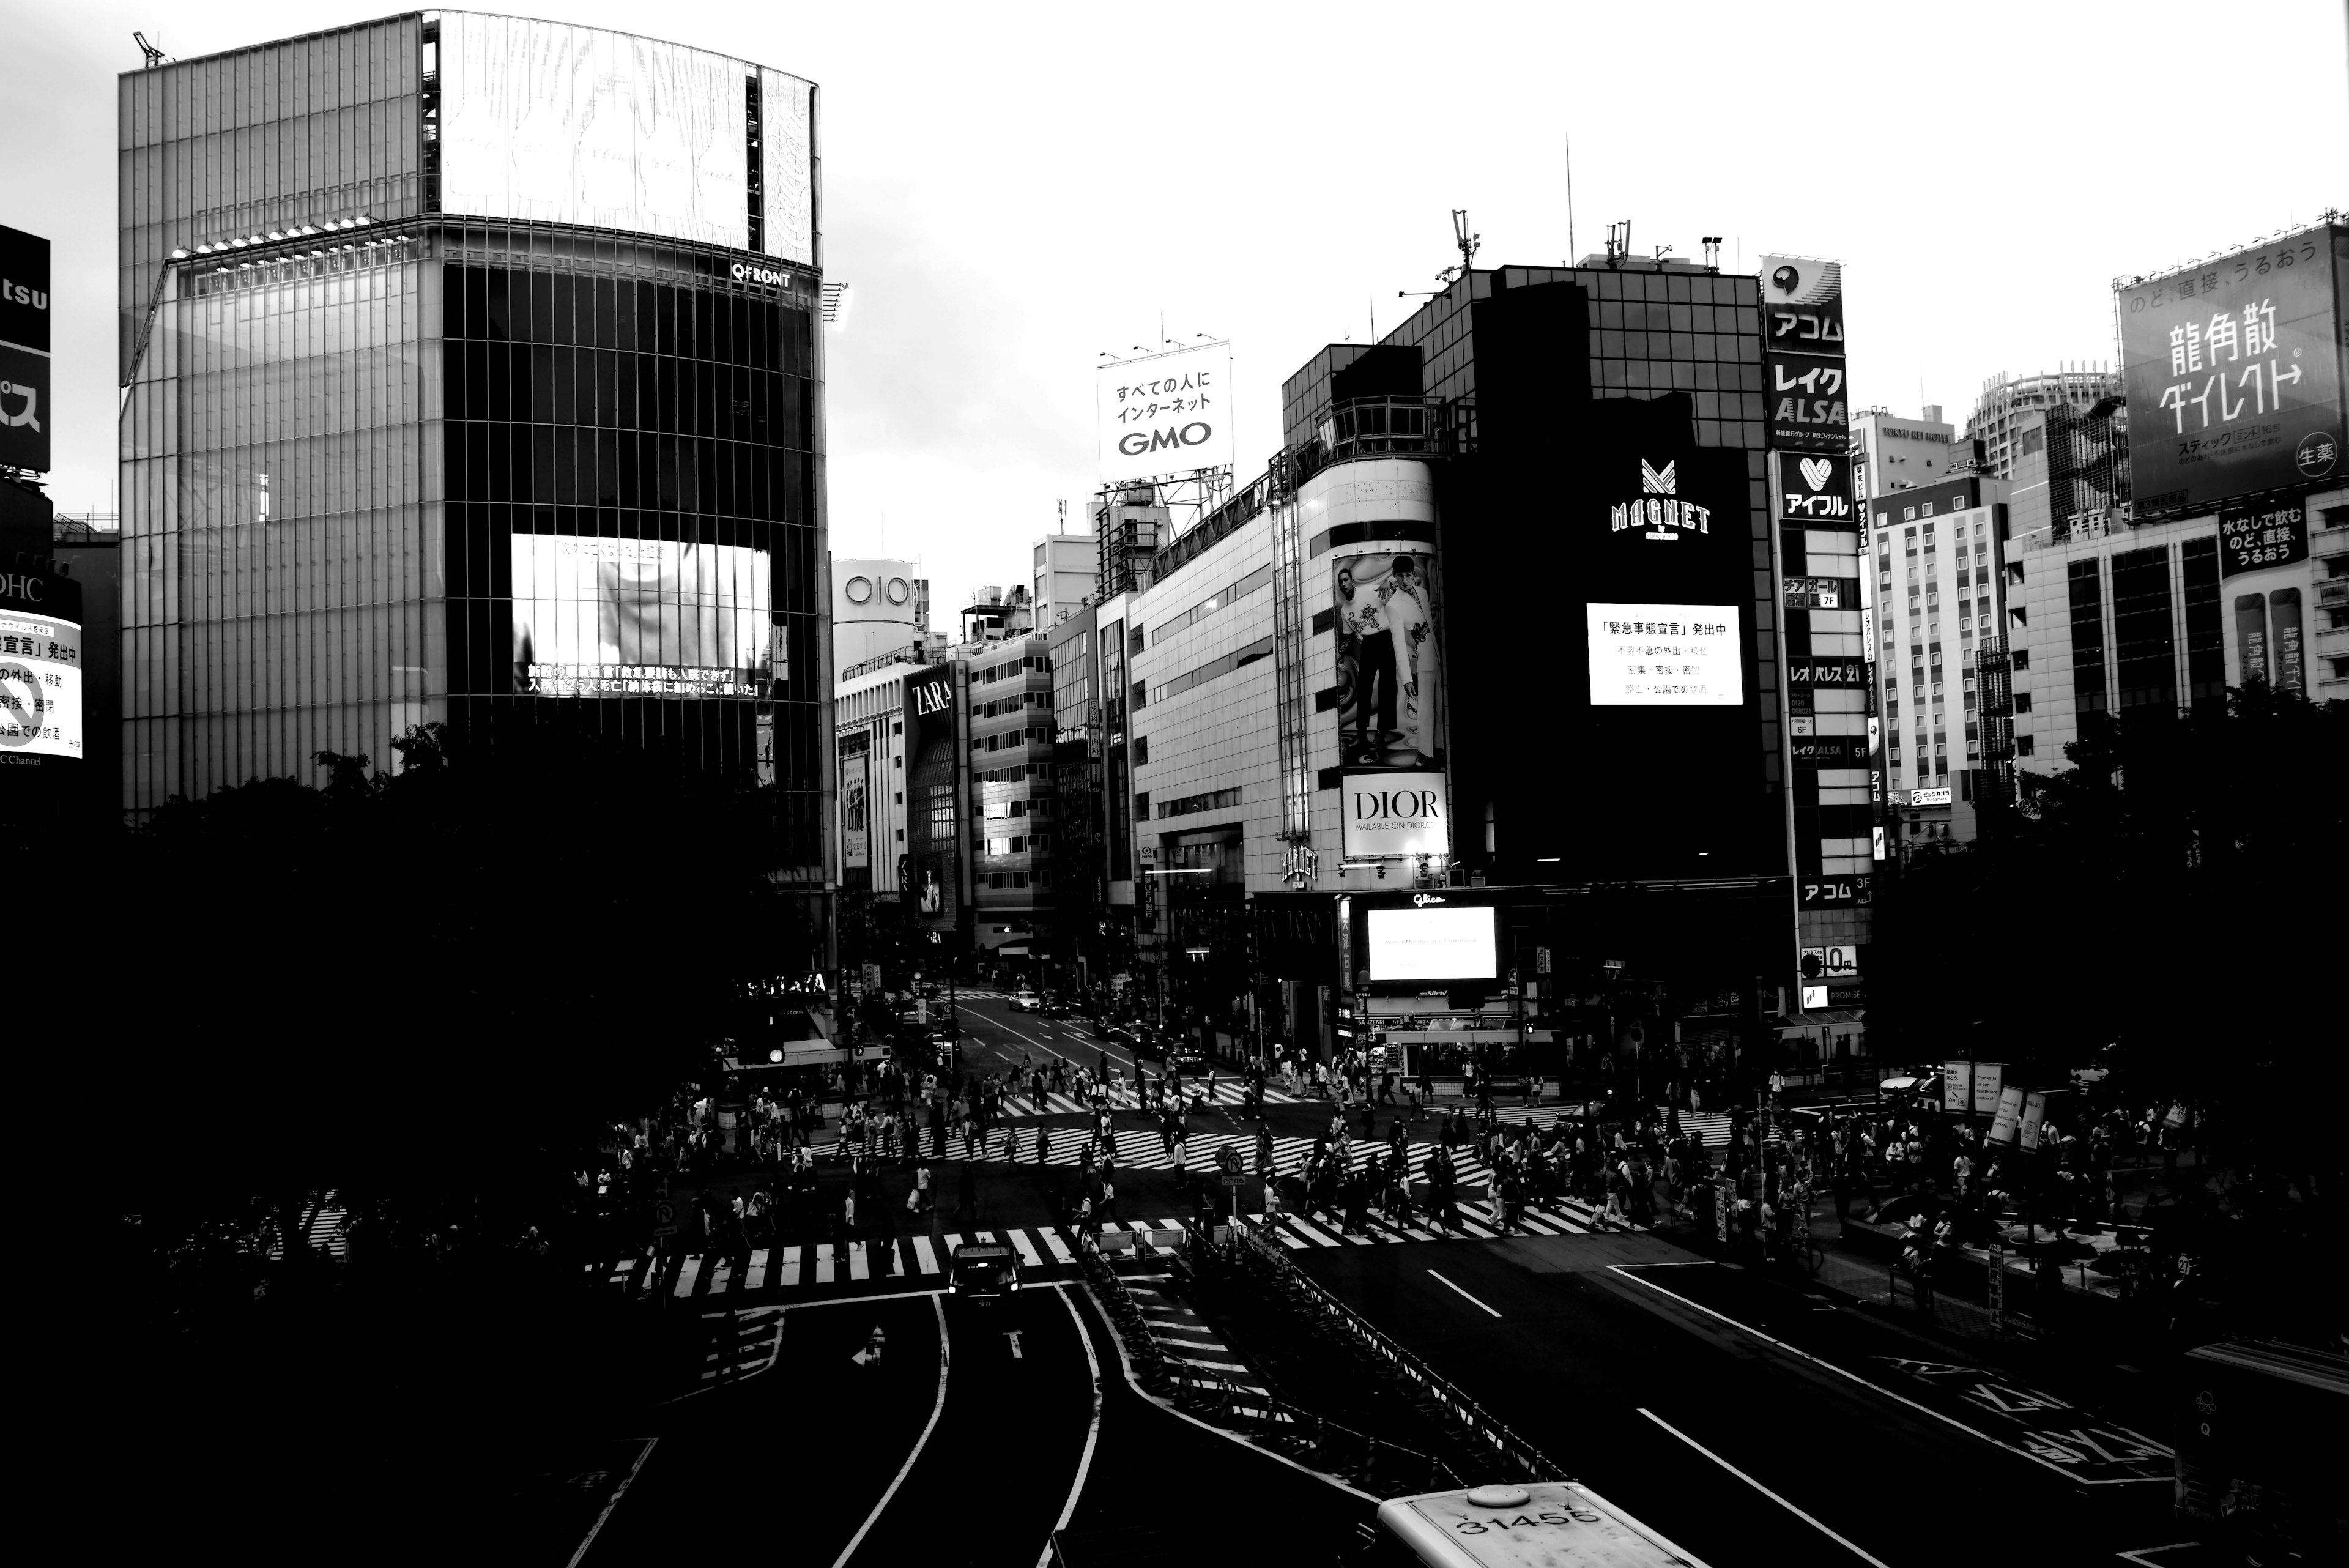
(664, 1213)
(664, 1230)
(1233, 1179)
(873, 1347)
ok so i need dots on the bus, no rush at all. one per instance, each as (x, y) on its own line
(1536, 1524)
(2261, 1454)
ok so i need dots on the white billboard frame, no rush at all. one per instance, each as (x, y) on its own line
(1164, 414)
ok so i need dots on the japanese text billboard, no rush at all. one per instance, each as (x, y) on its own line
(2251, 538)
(24, 406)
(2233, 373)
(1802, 349)
(641, 618)
(40, 665)
(1166, 414)
(1665, 656)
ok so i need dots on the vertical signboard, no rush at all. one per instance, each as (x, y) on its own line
(2233, 373)
(2034, 1112)
(1166, 414)
(1957, 1087)
(933, 795)
(2009, 1113)
(856, 812)
(1990, 1080)
(25, 382)
(1803, 346)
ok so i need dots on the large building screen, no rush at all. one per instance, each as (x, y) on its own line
(640, 617)
(40, 685)
(561, 124)
(1665, 656)
(1432, 944)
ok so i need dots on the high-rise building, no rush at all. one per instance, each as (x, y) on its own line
(1997, 422)
(1893, 451)
(1067, 565)
(879, 607)
(470, 368)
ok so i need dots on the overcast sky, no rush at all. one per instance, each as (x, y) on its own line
(1012, 189)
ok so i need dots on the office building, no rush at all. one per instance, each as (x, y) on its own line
(1939, 579)
(1067, 565)
(1893, 451)
(470, 371)
(878, 607)
(1996, 422)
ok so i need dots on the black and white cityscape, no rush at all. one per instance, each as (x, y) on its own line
(669, 907)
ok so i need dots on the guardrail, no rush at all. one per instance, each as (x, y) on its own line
(1524, 1460)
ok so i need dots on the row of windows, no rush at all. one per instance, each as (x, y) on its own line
(1012, 704)
(610, 389)
(1214, 669)
(1005, 671)
(1037, 879)
(1191, 804)
(1206, 607)
(1035, 734)
(502, 304)
(1000, 809)
(1020, 844)
(553, 466)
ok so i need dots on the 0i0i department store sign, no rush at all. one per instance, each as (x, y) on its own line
(1394, 815)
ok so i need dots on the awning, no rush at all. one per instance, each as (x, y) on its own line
(1821, 1018)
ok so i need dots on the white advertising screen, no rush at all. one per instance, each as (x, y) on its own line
(575, 125)
(1390, 815)
(638, 617)
(1166, 414)
(40, 685)
(1434, 943)
(1665, 656)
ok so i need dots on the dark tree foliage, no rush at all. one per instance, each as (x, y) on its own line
(2161, 908)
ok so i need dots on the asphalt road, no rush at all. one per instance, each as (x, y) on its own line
(968, 1440)
(994, 1036)
(1845, 1441)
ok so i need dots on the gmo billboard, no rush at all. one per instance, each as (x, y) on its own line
(2233, 373)
(561, 124)
(1169, 413)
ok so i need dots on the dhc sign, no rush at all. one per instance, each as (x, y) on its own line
(1389, 815)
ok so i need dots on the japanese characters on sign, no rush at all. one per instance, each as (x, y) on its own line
(25, 412)
(1850, 674)
(40, 666)
(1166, 414)
(1664, 656)
(2233, 373)
(2252, 537)
(1833, 892)
(1803, 347)
(1814, 489)
(1822, 593)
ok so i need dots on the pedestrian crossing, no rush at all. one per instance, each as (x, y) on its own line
(1710, 1129)
(1142, 1148)
(916, 1259)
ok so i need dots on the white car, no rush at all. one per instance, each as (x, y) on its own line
(1025, 1002)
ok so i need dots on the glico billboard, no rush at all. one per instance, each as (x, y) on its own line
(2233, 373)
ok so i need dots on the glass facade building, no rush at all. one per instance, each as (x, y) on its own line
(387, 460)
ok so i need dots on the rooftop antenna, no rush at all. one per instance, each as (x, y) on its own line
(1662, 251)
(155, 57)
(1467, 243)
(1713, 253)
(1571, 258)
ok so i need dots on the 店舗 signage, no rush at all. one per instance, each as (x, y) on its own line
(1814, 489)
(1392, 815)
(1803, 351)
(25, 409)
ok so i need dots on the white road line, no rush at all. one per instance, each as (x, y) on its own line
(1059, 1248)
(1464, 1295)
(925, 1258)
(791, 1267)
(1624, 1270)
(1092, 1430)
(1029, 1255)
(755, 1277)
(1811, 1520)
(685, 1274)
(617, 1492)
(938, 1305)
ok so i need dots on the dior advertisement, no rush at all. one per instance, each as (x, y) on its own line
(1389, 678)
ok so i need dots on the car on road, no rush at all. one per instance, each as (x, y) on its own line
(1026, 1001)
(1188, 1060)
(1056, 1006)
(985, 1270)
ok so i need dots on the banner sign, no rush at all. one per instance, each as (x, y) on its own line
(25, 414)
(2233, 370)
(1166, 414)
(2009, 1115)
(1848, 674)
(1814, 490)
(1392, 815)
(1803, 348)
(2035, 1112)
(2253, 538)
(1990, 1079)
(1957, 1086)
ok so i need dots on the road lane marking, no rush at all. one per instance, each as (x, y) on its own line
(685, 1276)
(924, 1259)
(617, 1492)
(1013, 1335)
(1464, 1295)
(755, 1278)
(1092, 1431)
(1624, 1270)
(1811, 1520)
(937, 1408)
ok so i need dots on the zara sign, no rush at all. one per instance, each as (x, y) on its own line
(1391, 815)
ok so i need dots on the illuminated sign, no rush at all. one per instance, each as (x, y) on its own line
(1803, 353)
(1660, 511)
(1389, 815)
(26, 413)
(1814, 488)
(641, 618)
(1433, 944)
(1677, 655)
